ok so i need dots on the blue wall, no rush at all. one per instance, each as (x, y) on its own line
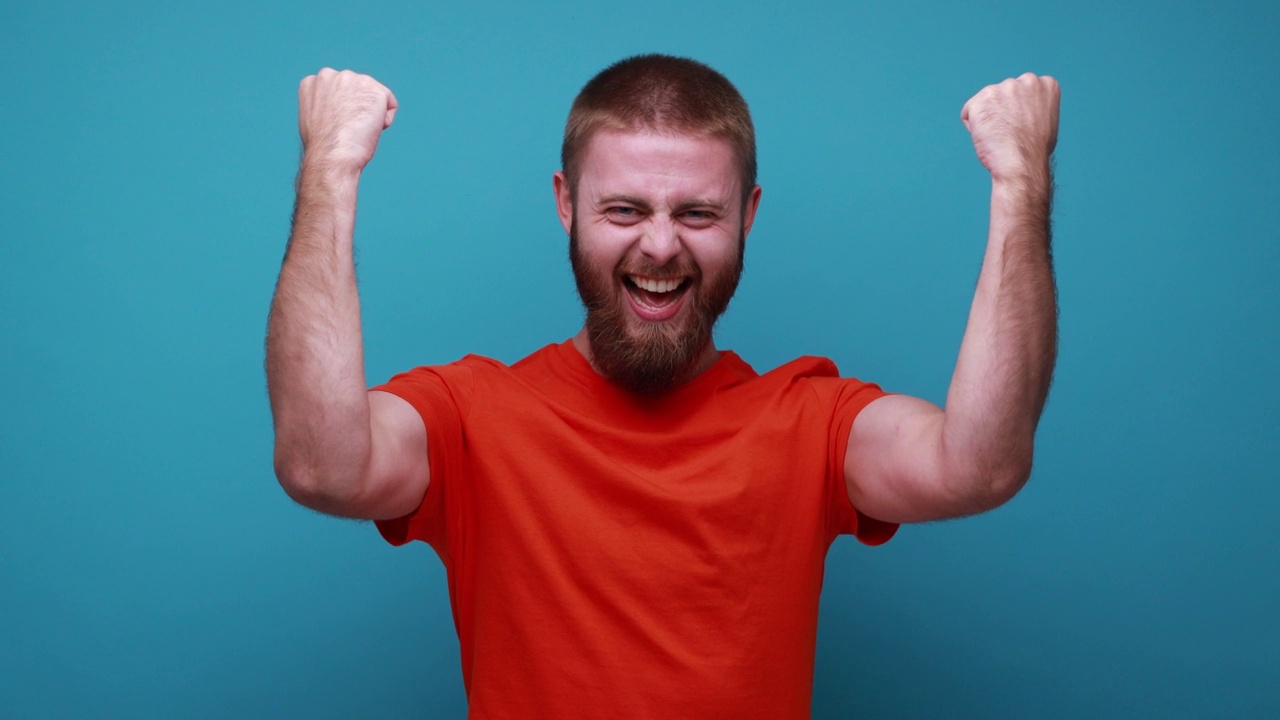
(150, 566)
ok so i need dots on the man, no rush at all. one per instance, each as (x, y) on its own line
(634, 522)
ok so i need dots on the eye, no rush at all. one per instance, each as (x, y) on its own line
(622, 214)
(698, 218)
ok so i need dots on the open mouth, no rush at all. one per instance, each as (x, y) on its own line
(659, 296)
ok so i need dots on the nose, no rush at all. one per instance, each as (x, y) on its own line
(661, 240)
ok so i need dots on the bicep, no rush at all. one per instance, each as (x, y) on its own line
(893, 464)
(399, 472)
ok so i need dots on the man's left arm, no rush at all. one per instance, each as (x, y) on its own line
(907, 459)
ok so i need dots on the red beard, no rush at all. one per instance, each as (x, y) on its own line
(649, 357)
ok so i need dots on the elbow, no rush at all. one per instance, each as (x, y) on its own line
(1004, 478)
(983, 486)
(298, 478)
(312, 484)
(1007, 481)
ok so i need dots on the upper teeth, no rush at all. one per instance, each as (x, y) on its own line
(657, 286)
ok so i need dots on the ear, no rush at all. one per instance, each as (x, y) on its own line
(564, 200)
(749, 212)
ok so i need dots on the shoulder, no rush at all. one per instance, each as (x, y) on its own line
(803, 367)
(818, 376)
(814, 386)
(469, 369)
(433, 389)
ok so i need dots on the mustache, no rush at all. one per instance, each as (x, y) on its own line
(646, 267)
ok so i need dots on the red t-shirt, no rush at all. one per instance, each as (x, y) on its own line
(612, 555)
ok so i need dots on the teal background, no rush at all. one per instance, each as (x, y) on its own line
(151, 567)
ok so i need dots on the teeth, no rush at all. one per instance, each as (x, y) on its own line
(656, 286)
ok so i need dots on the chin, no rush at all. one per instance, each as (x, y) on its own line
(646, 356)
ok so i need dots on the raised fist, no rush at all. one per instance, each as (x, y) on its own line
(1014, 125)
(341, 115)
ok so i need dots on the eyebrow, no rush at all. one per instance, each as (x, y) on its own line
(628, 199)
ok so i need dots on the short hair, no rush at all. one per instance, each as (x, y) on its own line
(660, 93)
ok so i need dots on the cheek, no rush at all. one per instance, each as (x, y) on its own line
(719, 255)
(605, 247)
(594, 257)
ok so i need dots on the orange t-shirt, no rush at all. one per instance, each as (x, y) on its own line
(612, 555)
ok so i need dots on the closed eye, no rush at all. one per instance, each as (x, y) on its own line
(623, 215)
(698, 218)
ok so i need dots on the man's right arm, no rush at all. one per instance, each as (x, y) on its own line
(339, 449)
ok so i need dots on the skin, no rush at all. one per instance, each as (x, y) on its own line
(339, 448)
(673, 200)
(909, 460)
(657, 205)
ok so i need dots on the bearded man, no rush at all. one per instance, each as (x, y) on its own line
(634, 522)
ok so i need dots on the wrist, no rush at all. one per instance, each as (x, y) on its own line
(330, 166)
(1020, 203)
(1031, 176)
(1027, 186)
(327, 176)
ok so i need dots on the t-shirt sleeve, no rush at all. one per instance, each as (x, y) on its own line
(850, 397)
(440, 395)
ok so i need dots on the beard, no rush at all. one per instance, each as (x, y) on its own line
(649, 357)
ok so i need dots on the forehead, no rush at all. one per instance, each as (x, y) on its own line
(659, 166)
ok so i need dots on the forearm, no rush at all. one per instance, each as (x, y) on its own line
(1007, 356)
(315, 359)
(909, 460)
